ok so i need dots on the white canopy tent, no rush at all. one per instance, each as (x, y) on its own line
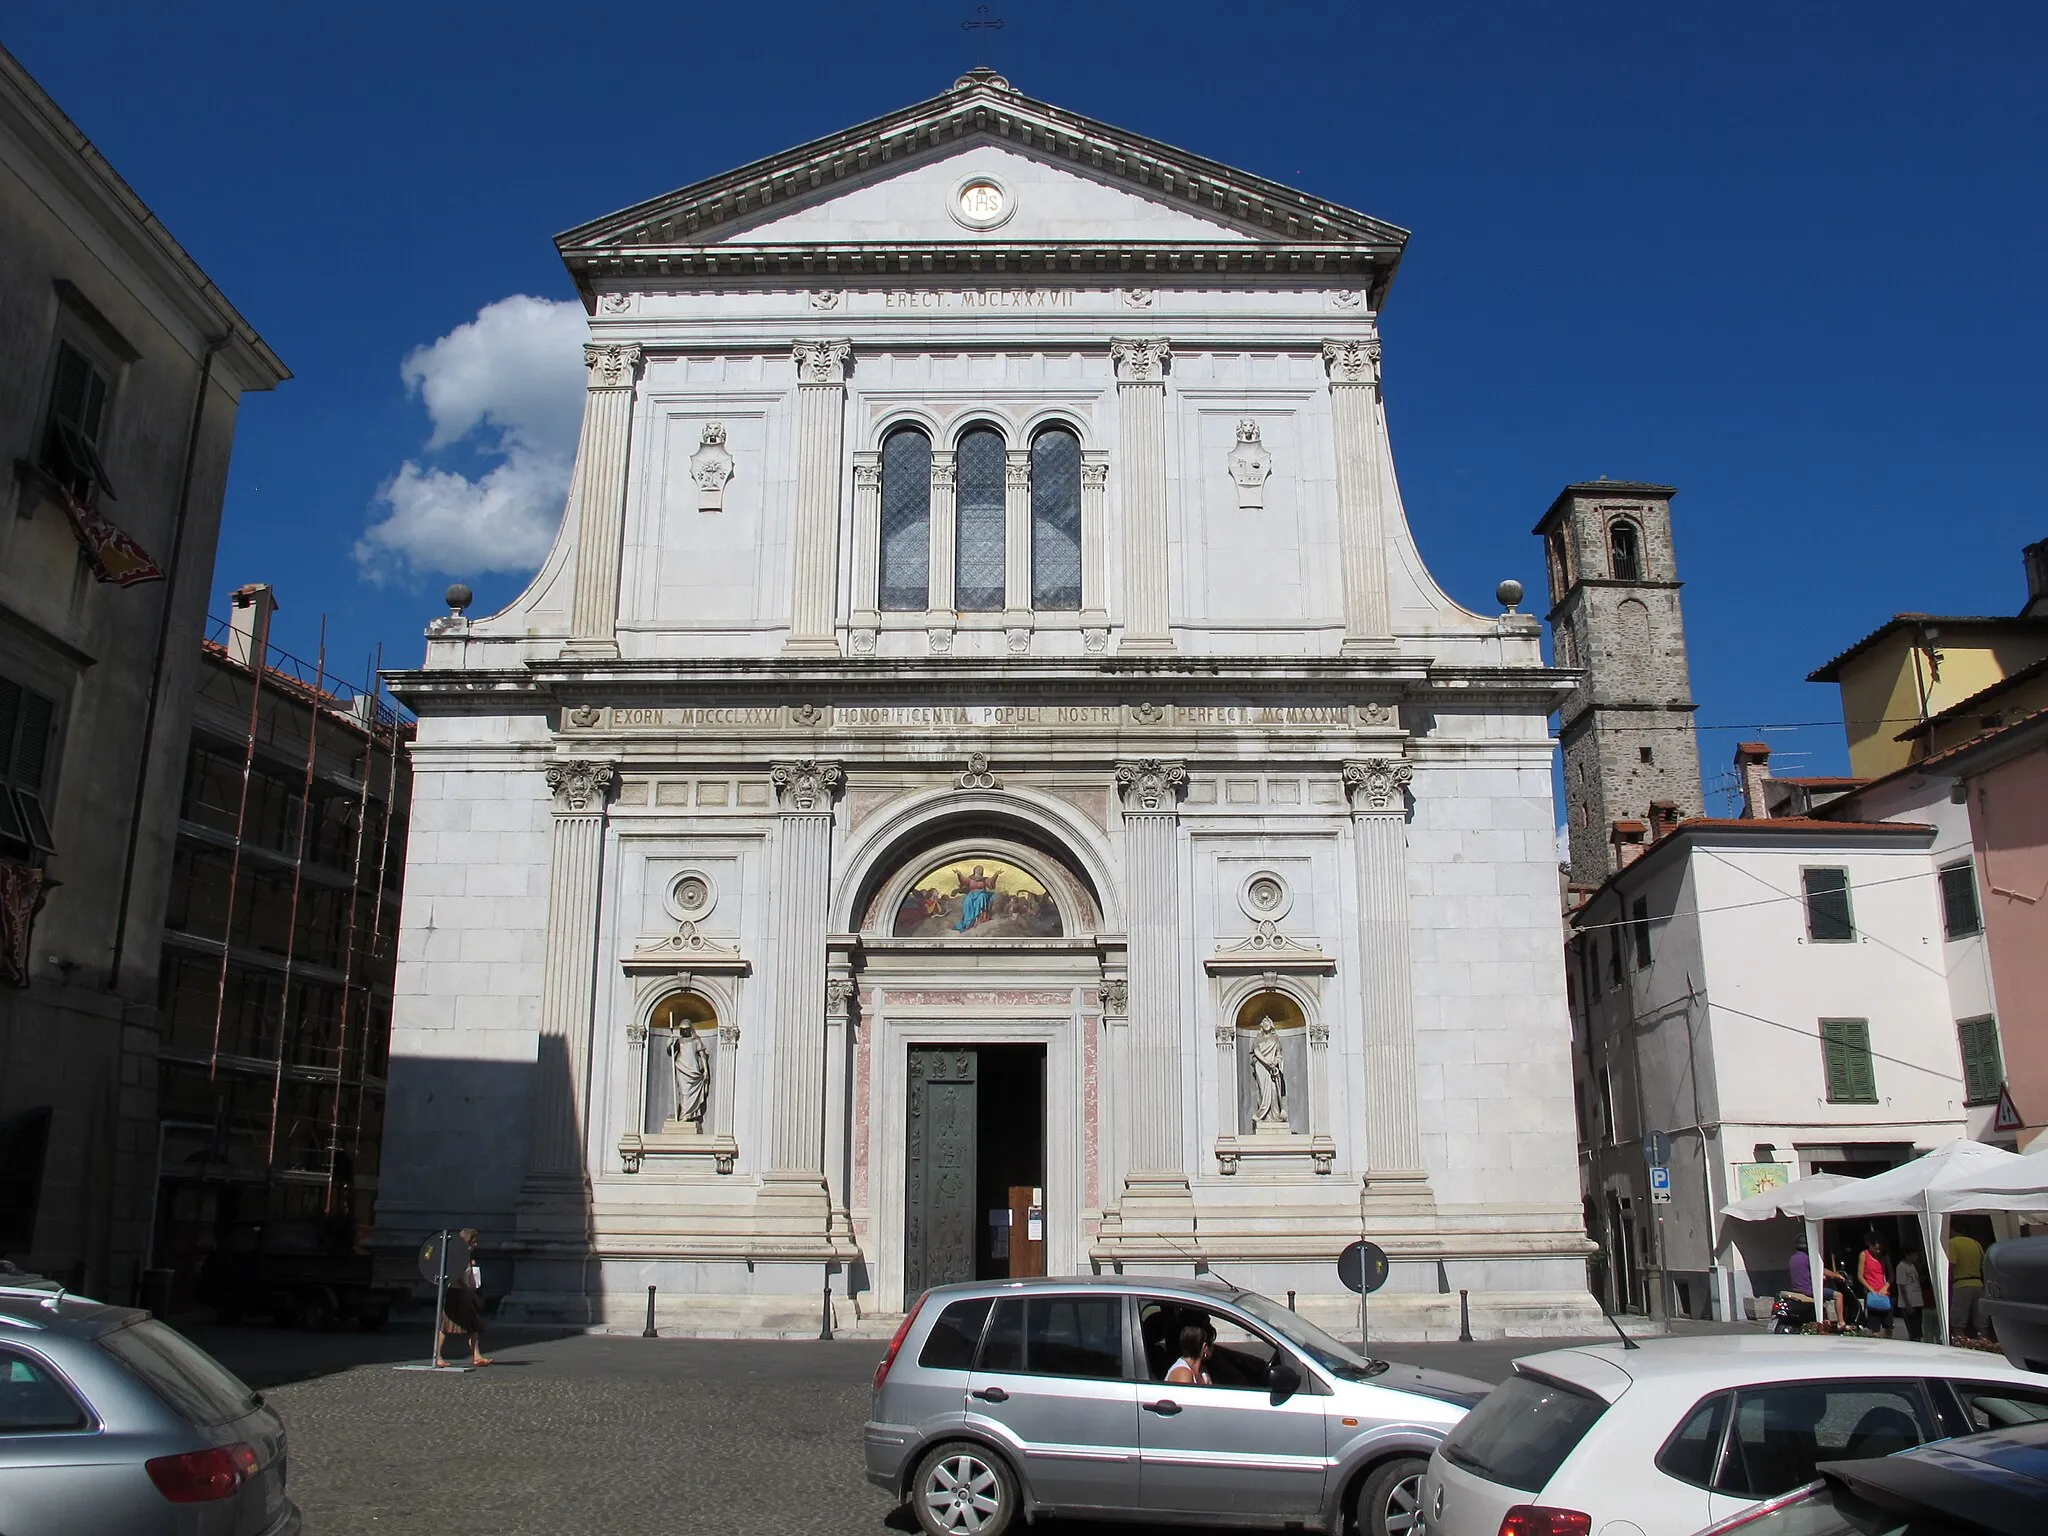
(1787, 1199)
(1961, 1176)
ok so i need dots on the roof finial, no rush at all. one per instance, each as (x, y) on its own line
(981, 24)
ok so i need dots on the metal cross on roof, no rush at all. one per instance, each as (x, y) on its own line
(981, 23)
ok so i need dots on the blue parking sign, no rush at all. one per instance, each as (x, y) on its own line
(1660, 1185)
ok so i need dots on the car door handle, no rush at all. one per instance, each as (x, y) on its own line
(990, 1394)
(1165, 1405)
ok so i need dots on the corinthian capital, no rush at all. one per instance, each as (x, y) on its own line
(1378, 783)
(1150, 785)
(612, 367)
(821, 362)
(577, 781)
(1353, 362)
(1140, 360)
(806, 785)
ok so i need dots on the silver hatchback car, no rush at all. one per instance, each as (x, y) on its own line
(112, 1422)
(1070, 1397)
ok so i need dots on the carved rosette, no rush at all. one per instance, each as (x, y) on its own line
(1150, 786)
(821, 362)
(806, 787)
(1140, 360)
(1353, 362)
(577, 782)
(1378, 784)
(613, 366)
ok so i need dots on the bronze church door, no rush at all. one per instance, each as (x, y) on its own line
(939, 1204)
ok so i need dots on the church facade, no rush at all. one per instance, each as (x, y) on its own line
(984, 782)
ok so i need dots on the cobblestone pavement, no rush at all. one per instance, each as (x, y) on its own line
(622, 1436)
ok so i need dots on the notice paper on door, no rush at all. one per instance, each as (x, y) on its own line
(1034, 1224)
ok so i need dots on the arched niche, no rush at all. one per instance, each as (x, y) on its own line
(683, 1031)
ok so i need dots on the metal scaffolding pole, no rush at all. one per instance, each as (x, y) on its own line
(377, 904)
(257, 663)
(368, 706)
(291, 932)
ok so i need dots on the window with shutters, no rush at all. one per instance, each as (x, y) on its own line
(28, 723)
(1960, 917)
(77, 417)
(1983, 1066)
(1851, 1075)
(1828, 920)
(1639, 931)
(1616, 964)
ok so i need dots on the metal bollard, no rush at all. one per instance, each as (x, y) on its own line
(1290, 1301)
(825, 1328)
(1464, 1317)
(648, 1332)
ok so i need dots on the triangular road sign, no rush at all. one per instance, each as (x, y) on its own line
(2007, 1117)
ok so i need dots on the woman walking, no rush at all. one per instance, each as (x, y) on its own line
(1911, 1286)
(462, 1308)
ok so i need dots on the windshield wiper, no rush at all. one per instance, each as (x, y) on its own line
(1363, 1372)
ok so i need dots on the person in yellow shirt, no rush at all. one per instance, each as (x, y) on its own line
(1965, 1286)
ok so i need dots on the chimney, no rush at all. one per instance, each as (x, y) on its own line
(1752, 767)
(249, 624)
(1663, 817)
(2036, 557)
(1628, 842)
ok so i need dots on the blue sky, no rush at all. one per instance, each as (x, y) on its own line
(1784, 257)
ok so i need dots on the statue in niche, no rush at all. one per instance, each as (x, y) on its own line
(711, 467)
(1269, 1078)
(691, 1065)
(1250, 467)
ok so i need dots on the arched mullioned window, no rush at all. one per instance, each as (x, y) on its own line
(1056, 520)
(906, 566)
(978, 567)
(1624, 550)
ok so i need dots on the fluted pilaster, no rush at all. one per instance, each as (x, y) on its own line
(1379, 826)
(945, 543)
(804, 792)
(1141, 413)
(867, 548)
(599, 495)
(1094, 499)
(1151, 792)
(1361, 525)
(820, 413)
(1017, 538)
(556, 1173)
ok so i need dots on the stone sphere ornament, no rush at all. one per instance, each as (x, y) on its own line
(1509, 593)
(459, 597)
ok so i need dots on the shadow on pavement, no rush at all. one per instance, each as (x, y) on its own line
(271, 1357)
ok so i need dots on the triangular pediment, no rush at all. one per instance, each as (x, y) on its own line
(892, 183)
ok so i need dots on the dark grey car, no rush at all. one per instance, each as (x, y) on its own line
(1051, 1397)
(113, 1422)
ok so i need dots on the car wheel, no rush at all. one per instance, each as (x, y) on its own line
(1390, 1504)
(963, 1489)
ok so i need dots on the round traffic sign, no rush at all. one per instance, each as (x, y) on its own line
(430, 1257)
(1362, 1267)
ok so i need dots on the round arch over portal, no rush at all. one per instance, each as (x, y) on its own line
(982, 887)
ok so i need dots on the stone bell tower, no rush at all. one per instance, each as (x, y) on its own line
(1630, 751)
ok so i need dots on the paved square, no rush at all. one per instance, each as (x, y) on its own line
(627, 1436)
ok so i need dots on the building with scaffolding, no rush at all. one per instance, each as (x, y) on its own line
(122, 372)
(278, 954)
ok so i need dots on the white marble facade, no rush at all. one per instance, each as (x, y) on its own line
(1254, 759)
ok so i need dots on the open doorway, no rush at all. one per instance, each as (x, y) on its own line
(974, 1179)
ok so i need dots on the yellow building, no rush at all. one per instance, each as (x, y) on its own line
(1902, 683)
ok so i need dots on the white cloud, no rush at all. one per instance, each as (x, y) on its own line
(510, 384)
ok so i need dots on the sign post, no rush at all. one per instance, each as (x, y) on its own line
(434, 1267)
(1363, 1268)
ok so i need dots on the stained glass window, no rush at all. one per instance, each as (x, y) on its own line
(1056, 520)
(978, 578)
(906, 521)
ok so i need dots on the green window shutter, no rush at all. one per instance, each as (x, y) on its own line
(1851, 1075)
(1827, 906)
(1983, 1069)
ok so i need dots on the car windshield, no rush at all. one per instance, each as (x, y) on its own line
(1332, 1354)
(180, 1372)
(1829, 1511)
(1522, 1431)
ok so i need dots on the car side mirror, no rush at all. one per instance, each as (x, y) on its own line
(1282, 1380)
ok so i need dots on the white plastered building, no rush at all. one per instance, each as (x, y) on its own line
(984, 676)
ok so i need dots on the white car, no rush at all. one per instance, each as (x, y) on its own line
(1676, 1434)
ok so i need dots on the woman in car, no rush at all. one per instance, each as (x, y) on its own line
(1192, 1368)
